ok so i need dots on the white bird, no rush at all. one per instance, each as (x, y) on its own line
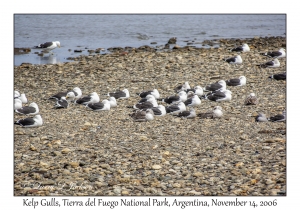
(198, 90)
(112, 101)
(261, 117)
(17, 103)
(159, 111)
(32, 109)
(92, 98)
(61, 103)
(151, 102)
(76, 92)
(16, 94)
(181, 97)
(30, 122)
(220, 96)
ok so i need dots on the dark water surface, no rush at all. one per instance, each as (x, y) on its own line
(84, 32)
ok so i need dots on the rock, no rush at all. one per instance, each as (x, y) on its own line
(156, 167)
(65, 151)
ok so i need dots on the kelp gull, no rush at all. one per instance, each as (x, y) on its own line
(32, 109)
(281, 76)
(275, 54)
(30, 122)
(153, 92)
(243, 48)
(237, 81)
(122, 94)
(176, 108)
(142, 116)
(215, 113)
(92, 98)
(234, 60)
(187, 114)
(100, 106)
(271, 64)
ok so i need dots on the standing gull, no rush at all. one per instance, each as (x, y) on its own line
(234, 60)
(30, 122)
(251, 99)
(92, 98)
(176, 108)
(122, 94)
(215, 113)
(243, 48)
(32, 109)
(100, 106)
(281, 76)
(237, 81)
(270, 64)
(153, 92)
(49, 45)
(275, 54)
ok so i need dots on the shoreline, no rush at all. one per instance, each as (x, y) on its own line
(106, 153)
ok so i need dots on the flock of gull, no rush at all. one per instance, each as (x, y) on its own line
(180, 104)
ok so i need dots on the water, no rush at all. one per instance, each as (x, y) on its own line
(103, 31)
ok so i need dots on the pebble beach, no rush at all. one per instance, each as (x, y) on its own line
(77, 152)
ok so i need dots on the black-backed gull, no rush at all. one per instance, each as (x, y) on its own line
(243, 48)
(215, 113)
(281, 76)
(122, 94)
(174, 109)
(183, 87)
(181, 97)
(187, 114)
(198, 90)
(261, 117)
(17, 104)
(220, 96)
(92, 98)
(100, 106)
(153, 92)
(278, 117)
(236, 81)
(32, 109)
(61, 103)
(275, 54)
(270, 64)
(49, 45)
(193, 101)
(234, 60)
(142, 116)
(30, 122)
(220, 85)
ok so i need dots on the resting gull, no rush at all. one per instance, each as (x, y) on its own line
(142, 116)
(193, 101)
(17, 103)
(275, 54)
(112, 101)
(32, 109)
(187, 114)
(122, 94)
(174, 109)
(77, 94)
(278, 117)
(183, 87)
(216, 86)
(251, 99)
(243, 48)
(153, 92)
(215, 113)
(30, 122)
(234, 60)
(198, 90)
(151, 102)
(92, 98)
(182, 96)
(61, 103)
(100, 106)
(270, 64)
(281, 76)
(160, 110)
(261, 117)
(220, 96)
(237, 81)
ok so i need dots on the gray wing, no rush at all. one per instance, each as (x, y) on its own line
(26, 110)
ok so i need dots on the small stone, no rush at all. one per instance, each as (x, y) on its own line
(125, 192)
(65, 151)
(74, 164)
(197, 174)
(156, 167)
